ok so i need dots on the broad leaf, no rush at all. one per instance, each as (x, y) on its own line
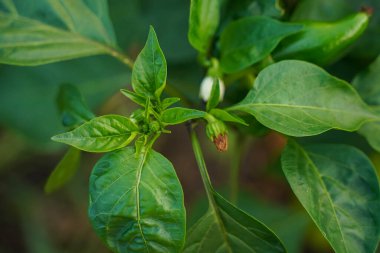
(149, 71)
(246, 8)
(136, 202)
(249, 40)
(214, 95)
(138, 99)
(203, 22)
(167, 102)
(367, 83)
(40, 32)
(64, 171)
(226, 116)
(72, 107)
(177, 115)
(338, 187)
(300, 99)
(224, 227)
(101, 134)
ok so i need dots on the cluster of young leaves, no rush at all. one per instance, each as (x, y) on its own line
(297, 98)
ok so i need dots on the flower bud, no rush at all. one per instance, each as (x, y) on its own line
(217, 132)
(206, 87)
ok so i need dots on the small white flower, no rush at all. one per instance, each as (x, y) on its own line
(206, 86)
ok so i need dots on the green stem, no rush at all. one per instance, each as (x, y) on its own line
(201, 165)
(121, 57)
(237, 153)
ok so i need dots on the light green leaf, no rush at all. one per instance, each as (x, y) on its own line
(203, 22)
(300, 99)
(72, 106)
(367, 83)
(167, 102)
(177, 115)
(31, 35)
(136, 203)
(338, 187)
(64, 171)
(149, 71)
(101, 134)
(214, 95)
(140, 100)
(226, 116)
(224, 227)
(249, 40)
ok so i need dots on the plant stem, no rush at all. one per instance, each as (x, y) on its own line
(201, 164)
(121, 57)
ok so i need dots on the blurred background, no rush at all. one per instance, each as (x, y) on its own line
(35, 222)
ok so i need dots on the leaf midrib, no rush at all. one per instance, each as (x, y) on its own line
(315, 168)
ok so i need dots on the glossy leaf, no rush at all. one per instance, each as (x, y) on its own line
(367, 83)
(203, 22)
(72, 106)
(64, 171)
(249, 40)
(167, 102)
(224, 227)
(30, 40)
(323, 43)
(295, 98)
(338, 187)
(138, 99)
(136, 202)
(177, 115)
(101, 134)
(149, 71)
(214, 95)
(226, 116)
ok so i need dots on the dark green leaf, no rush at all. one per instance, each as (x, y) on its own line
(31, 34)
(226, 116)
(140, 100)
(203, 22)
(246, 8)
(295, 98)
(367, 85)
(338, 187)
(149, 71)
(323, 43)
(167, 102)
(225, 228)
(101, 134)
(214, 95)
(136, 202)
(249, 40)
(72, 106)
(64, 171)
(177, 115)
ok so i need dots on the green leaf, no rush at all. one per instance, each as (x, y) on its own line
(149, 71)
(40, 32)
(338, 187)
(226, 116)
(101, 134)
(64, 171)
(140, 100)
(203, 23)
(214, 95)
(323, 43)
(177, 115)
(295, 98)
(249, 40)
(72, 106)
(224, 227)
(136, 203)
(367, 85)
(167, 102)
(246, 8)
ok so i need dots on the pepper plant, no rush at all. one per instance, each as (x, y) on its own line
(136, 203)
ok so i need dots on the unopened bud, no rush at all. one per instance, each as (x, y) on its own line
(206, 87)
(217, 132)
